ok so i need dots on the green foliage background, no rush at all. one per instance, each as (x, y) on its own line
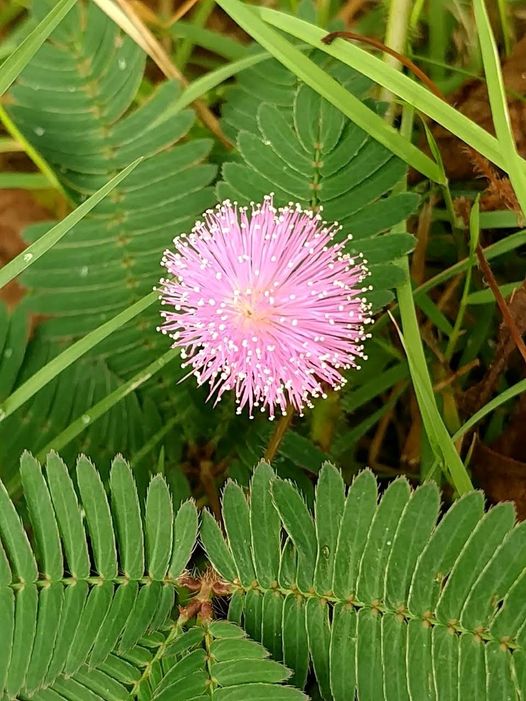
(375, 591)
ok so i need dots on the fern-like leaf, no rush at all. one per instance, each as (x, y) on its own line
(94, 578)
(379, 597)
(73, 104)
(294, 143)
(55, 405)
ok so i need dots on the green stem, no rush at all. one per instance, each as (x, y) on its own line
(396, 38)
(474, 227)
(436, 431)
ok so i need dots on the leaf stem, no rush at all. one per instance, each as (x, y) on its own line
(276, 438)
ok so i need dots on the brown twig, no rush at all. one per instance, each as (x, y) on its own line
(447, 381)
(127, 18)
(182, 11)
(277, 436)
(504, 309)
(404, 60)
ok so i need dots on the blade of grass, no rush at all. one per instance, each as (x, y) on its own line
(199, 17)
(202, 85)
(33, 154)
(24, 181)
(474, 231)
(53, 236)
(217, 43)
(100, 408)
(401, 85)
(499, 103)
(513, 391)
(436, 431)
(21, 56)
(70, 355)
(248, 18)
(487, 296)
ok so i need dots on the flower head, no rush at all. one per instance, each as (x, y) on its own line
(263, 303)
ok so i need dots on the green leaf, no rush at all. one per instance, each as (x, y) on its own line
(127, 517)
(141, 616)
(68, 515)
(295, 639)
(237, 525)
(316, 78)
(159, 528)
(419, 659)
(50, 603)
(121, 608)
(15, 540)
(37, 249)
(414, 530)
(360, 507)
(259, 692)
(369, 676)
(271, 623)
(472, 668)
(216, 547)
(7, 624)
(74, 601)
(370, 584)
(16, 62)
(478, 550)
(442, 550)
(342, 651)
(329, 506)
(300, 527)
(98, 516)
(319, 632)
(503, 570)
(185, 534)
(42, 517)
(102, 684)
(26, 602)
(93, 614)
(264, 525)
(394, 643)
(231, 673)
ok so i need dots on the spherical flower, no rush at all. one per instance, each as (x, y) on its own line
(262, 302)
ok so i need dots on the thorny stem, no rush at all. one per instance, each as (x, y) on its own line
(277, 436)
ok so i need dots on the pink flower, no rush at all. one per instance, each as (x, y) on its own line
(264, 304)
